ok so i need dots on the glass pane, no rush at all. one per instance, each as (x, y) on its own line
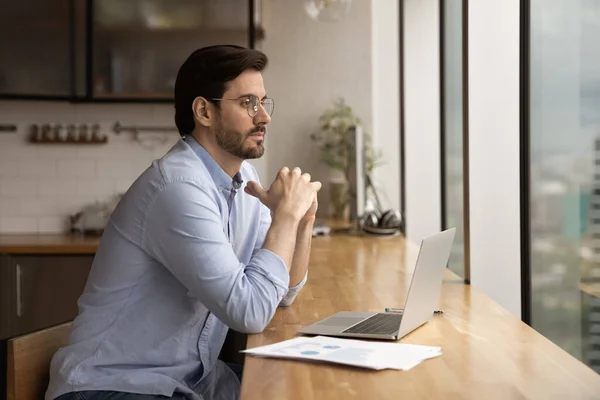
(139, 45)
(565, 174)
(34, 49)
(453, 131)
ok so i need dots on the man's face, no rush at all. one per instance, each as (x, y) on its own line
(236, 131)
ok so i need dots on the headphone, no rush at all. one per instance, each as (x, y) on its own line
(386, 223)
(377, 222)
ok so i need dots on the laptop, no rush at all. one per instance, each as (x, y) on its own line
(421, 302)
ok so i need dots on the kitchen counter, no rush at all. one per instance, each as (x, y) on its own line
(48, 244)
(73, 244)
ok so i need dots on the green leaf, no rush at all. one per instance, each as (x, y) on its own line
(336, 146)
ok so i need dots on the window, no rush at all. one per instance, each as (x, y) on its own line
(452, 140)
(564, 190)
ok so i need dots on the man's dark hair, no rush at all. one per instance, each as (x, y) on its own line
(206, 73)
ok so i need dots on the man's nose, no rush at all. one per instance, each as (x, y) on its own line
(262, 117)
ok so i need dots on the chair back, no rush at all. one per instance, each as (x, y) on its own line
(29, 357)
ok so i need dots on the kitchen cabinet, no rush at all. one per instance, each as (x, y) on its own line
(39, 291)
(6, 297)
(111, 50)
(34, 49)
(139, 46)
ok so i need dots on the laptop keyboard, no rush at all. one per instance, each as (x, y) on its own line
(379, 324)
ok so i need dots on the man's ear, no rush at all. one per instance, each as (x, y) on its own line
(203, 111)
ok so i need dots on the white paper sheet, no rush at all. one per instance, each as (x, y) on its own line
(359, 353)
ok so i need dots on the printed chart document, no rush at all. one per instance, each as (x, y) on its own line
(358, 353)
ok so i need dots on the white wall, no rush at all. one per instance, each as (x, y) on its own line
(385, 67)
(422, 118)
(310, 65)
(41, 184)
(494, 150)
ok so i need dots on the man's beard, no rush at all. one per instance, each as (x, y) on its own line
(233, 142)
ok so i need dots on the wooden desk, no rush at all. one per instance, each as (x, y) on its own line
(591, 288)
(488, 353)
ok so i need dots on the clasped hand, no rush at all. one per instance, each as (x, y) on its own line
(291, 194)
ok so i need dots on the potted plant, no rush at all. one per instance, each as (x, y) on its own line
(337, 151)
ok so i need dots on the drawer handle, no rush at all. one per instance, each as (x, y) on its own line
(19, 292)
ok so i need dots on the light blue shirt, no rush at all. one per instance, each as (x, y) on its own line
(179, 262)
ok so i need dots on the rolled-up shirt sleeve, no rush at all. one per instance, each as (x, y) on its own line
(289, 298)
(184, 232)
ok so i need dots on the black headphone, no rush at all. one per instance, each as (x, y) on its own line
(381, 223)
(386, 223)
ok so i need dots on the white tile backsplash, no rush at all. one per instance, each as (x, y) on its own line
(8, 166)
(18, 187)
(67, 205)
(52, 224)
(77, 168)
(41, 184)
(58, 187)
(114, 168)
(37, 168)
(9, 206)
(32, 207)
(95, 187)
(18, 224)
(164, 113)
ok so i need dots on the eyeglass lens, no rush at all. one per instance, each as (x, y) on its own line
(268, 104)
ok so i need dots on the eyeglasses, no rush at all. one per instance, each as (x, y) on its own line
(251, 104)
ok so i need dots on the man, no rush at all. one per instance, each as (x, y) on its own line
(186, 254)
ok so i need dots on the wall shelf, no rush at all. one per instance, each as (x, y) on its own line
(51, 134)
(99, 140)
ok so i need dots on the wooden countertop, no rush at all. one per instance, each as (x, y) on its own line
(69, 244)
(48, 244)
(488, 353)
(591, 288)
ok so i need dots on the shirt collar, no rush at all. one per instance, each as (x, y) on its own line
(220, 177)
